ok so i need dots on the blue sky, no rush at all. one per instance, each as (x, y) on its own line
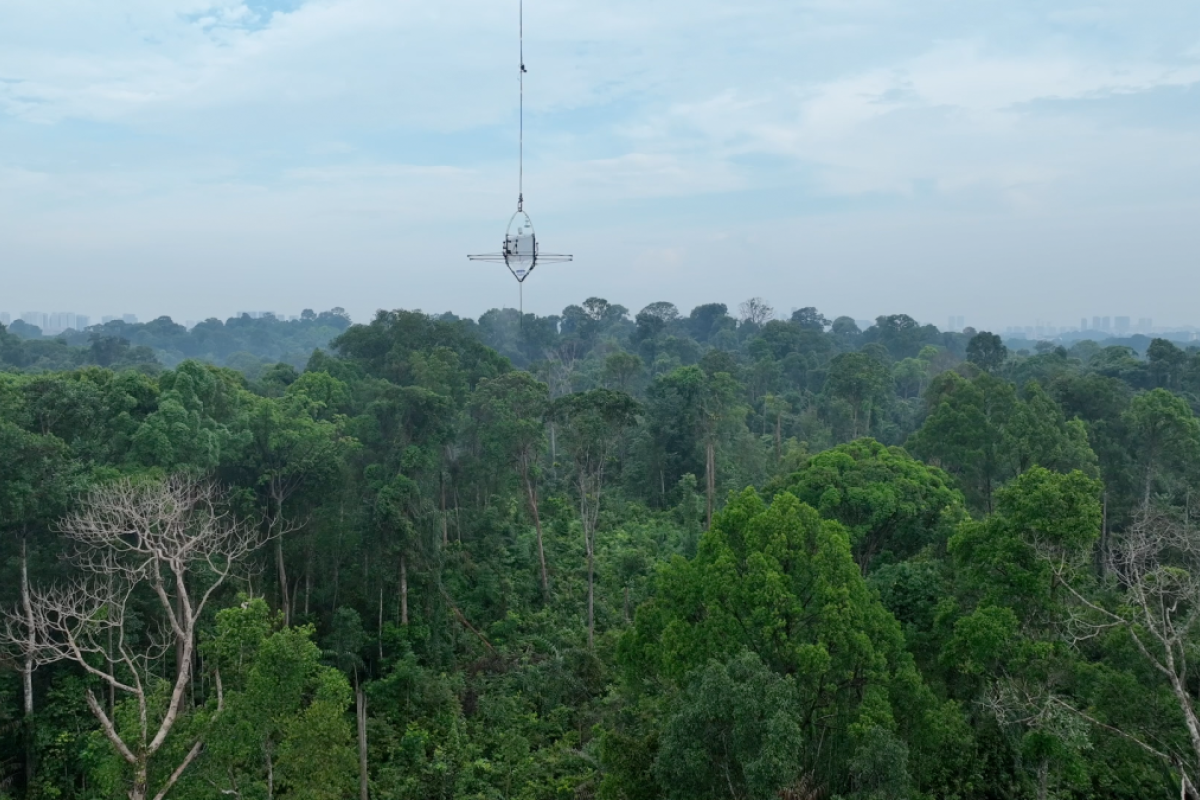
(1005, 161)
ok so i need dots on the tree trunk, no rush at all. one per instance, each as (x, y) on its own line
(537, 524)
(140, 789)
(403, 590)
(337, 554)
(284, 595)
(307, 575)
(270, 774)
(778, 438)
(27, 673)
(710, 477)
(1101, 568)
(591, 590)
(363, 780)
(445, 523)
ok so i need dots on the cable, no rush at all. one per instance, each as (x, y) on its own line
(521, 146)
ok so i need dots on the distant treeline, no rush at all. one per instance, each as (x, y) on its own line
(597, 556)
(243, 343)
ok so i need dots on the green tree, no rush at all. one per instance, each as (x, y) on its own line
(735, 735)
(984, 434)
(780, 581)
(862, 382)
(284, 729)
(1165, 438)
(593, 425)
(286, 452)
(509, 412)
(888, 501)
(986, 351)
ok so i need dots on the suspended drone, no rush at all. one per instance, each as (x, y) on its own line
(521, 253)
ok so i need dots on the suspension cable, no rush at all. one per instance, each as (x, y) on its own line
(521, 145)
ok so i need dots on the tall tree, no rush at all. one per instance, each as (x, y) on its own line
(986, 351)
(862, 382)
(593, 424)
(510, 414)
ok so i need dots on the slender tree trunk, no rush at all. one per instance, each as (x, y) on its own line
(308, 559)
(294, 597)
(445, 521)
(403, 590)
(363, 777)
(179, 644)
(284, 596)
(337, 554)
(591, 559)
(710, 477)
(778, 438)
(27, 672)
(1101, 568)
(270, 773)
(537, 524)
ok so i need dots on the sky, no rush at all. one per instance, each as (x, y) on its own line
(1009, 161)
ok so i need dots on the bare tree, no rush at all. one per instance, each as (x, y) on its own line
(171, 540)
(756, 311)
(1156, 565)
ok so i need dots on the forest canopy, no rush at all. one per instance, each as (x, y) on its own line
(599, 554)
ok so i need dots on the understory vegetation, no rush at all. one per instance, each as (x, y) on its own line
(651, 556)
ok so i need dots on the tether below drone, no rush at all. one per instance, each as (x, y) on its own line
(521, 253)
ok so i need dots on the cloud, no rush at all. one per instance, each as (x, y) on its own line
(371, 122)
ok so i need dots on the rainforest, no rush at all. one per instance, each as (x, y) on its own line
(600, 554)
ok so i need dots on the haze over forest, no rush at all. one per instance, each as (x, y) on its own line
(659, 555)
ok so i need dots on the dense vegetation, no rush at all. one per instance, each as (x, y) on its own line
(594, 556)
(244, 343)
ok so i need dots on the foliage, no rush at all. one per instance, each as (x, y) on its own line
(632, 556)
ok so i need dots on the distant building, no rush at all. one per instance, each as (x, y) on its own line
(1083, 323)
(82, 321)
(129, 319)
(34, 318)
(59, 321)
(107, 318)
(1145, 324)
(1121, 325)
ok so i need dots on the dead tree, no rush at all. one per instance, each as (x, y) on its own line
(171, 542)
(1155, 565)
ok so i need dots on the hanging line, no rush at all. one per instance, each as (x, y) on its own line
(521, 146)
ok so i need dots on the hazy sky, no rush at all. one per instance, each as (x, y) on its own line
(1006, 160)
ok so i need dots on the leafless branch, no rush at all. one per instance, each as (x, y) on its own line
(173, 537)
